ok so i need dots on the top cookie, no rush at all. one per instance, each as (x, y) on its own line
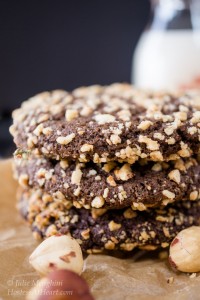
(115, 122)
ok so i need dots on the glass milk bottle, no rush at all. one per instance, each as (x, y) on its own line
(168, 53)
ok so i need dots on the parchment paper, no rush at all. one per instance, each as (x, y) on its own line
(109, 277)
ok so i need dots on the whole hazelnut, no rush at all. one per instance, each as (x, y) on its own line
(184, 253)
(57, 252)
(61, 285)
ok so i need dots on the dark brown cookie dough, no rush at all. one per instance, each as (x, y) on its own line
(97, 229)
(115, 122)
(112, 185)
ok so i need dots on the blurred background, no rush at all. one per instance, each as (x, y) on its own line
(62, 45)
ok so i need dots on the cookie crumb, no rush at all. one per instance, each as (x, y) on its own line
(193, 275)
(170, 280)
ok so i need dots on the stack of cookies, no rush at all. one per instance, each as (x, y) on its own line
(115, 167)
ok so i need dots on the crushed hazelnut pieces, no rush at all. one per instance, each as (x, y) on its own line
(64, 140)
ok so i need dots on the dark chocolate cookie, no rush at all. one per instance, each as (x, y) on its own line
(115, 122)
(112, 185)
(98, 229)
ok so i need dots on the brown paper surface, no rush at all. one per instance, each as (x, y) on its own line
(109, 277)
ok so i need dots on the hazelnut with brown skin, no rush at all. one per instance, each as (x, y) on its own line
(61, 285)
(57, 252)
(184, 253)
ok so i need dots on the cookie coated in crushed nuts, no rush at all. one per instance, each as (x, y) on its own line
(112, 185)
(103, 123)
(99, 229)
